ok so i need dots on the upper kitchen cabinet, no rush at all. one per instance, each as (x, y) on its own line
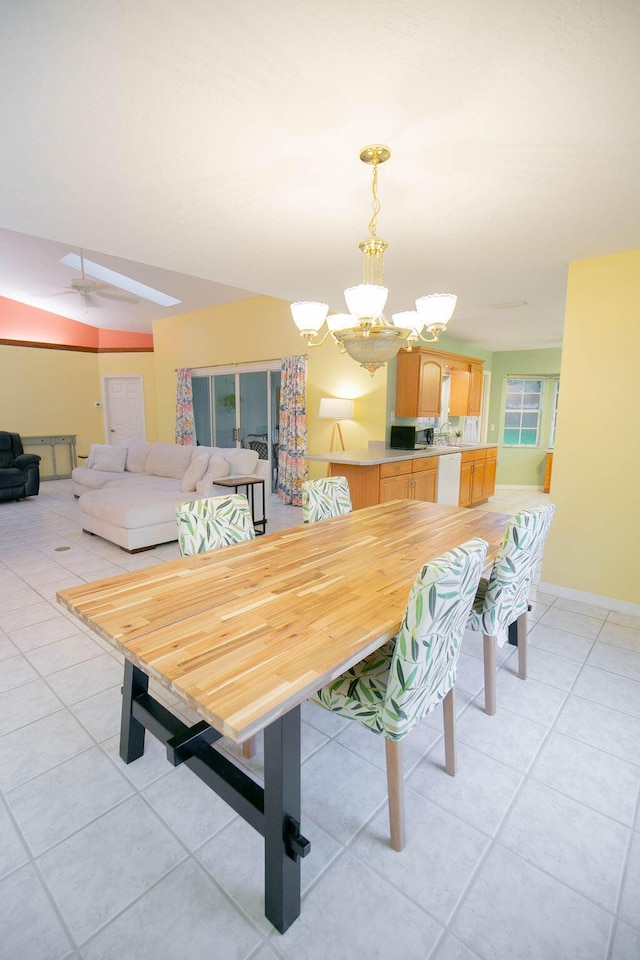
(419, 384)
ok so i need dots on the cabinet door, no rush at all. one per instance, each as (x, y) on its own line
(425, 484)
(395, 488)
(430, 388)
(475, 390)
(477, 481)
(466, 470)
(490, 473)
(459, 392)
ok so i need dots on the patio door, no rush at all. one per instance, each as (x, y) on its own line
(238, 408)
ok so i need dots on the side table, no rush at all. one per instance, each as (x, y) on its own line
(249, 483)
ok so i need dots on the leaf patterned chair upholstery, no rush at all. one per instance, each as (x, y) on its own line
(213, 522)
(209, 524)
(504, 598)
(392, 689)
(324, 498)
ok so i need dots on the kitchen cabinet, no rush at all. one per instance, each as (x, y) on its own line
(548, 467)
(409, 480)
(419, 384)
(476, 371)
(477, 476)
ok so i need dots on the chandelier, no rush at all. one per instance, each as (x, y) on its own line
(364, 333)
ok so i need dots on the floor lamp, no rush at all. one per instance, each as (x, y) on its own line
(336, 409)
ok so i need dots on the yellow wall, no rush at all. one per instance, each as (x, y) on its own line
(256, 330)
(53, 391)
(595, 537)
(50, 392)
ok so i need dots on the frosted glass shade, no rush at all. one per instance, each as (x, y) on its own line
(309, 315)
(366, 301)
(341, 321)
(335, 408)
(436, 308)
(408, 319)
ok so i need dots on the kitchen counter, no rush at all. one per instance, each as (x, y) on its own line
(460, 475)
(374, 456)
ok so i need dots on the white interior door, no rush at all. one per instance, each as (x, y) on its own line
(123, 408)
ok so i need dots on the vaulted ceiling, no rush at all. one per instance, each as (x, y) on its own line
(211, 149)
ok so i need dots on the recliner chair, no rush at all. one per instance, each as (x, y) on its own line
(19, 471)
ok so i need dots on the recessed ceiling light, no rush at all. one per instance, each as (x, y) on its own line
(510, 303)
(119, 280)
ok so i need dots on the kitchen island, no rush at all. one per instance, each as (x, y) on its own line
(378, 473)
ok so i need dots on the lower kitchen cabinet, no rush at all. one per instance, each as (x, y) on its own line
(477, 476)
(398, 480)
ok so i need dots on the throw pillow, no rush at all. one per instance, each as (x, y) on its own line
(195, 471)
(242, 463)
(111, 459)
(216, 469)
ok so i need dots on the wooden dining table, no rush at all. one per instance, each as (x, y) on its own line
(245, 634)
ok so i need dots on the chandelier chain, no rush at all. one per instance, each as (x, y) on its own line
(376, 203)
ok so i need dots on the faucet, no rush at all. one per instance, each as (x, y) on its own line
(442, 432)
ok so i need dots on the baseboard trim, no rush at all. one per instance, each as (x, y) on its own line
(581, 596)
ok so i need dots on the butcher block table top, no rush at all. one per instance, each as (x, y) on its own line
(245, 633)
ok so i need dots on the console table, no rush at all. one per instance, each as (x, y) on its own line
(49, 443)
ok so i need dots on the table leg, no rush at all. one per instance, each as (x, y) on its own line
(281, 812)
(131, 730)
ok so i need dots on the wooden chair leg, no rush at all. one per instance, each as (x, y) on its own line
(522, 627)
(449, 715)
(489, 675)
(395, 788)
(249, 748)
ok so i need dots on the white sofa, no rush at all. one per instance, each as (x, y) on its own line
(128, 493)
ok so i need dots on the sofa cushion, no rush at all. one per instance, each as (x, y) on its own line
(131, 508)
(168, 460)
(242, 463)
(110, 459)
(195, 471)
(137, 454)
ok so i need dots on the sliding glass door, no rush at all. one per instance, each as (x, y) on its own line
(238, 408)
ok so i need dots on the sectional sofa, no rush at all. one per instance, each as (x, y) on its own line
(128, 493)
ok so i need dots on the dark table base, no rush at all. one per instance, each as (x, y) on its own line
(274, 811)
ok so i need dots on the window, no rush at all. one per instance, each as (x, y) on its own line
(556, 393)
(522, 414)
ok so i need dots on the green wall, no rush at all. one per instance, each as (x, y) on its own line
(516, 465)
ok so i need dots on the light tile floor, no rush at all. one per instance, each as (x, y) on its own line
(531, 852)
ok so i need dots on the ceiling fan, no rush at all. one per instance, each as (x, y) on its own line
(91, 291)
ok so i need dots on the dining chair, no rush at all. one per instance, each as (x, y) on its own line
(211, 523)
(505, 597)
(396, 686)
(324, 498)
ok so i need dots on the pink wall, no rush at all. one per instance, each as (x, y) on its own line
(23, 323)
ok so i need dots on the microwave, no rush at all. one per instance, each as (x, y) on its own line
(408, 438)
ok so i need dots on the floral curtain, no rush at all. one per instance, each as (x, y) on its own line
(292, 463)
(185, 432)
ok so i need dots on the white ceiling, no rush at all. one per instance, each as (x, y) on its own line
(220, 141)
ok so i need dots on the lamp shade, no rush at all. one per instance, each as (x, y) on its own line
(335, 408)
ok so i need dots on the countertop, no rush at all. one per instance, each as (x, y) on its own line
(377, 455)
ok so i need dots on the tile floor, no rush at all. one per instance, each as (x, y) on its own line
(531, 852)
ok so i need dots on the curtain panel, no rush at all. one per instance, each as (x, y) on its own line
(292, 452)
(185, 431)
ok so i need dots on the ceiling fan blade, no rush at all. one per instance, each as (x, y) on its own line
(60, 293)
